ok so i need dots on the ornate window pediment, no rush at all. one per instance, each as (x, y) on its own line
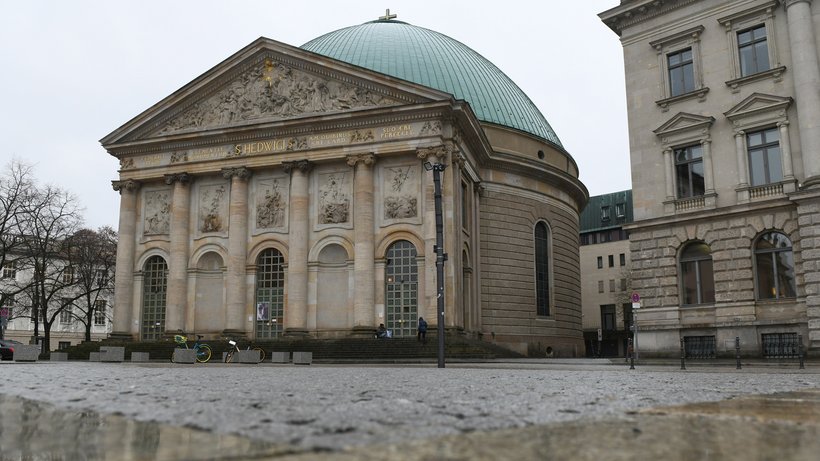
(684, 127)
(759, 109)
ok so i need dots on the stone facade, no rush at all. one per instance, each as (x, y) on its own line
(707, 80)
(280, 194)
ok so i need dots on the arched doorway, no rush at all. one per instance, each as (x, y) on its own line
(209, 312)
(154, 290)
(332, 307)
(401, 289)
(270, 294)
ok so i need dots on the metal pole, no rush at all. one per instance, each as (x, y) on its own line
(737, 351)
(800, 350)
(631, 355)
(682, 355)
(440, 258)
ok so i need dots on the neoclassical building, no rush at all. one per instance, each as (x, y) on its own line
(283, 192)
(724, 129)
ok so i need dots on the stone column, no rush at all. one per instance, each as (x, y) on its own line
(364, 295)
(708, 178)
(742, 164)
(177, 299)
(806, 73)
(668, 166)
(238, 249)
(298, 239)
(124, 273)
(786, 151)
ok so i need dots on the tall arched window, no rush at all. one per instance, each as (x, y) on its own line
(401, 289)
(270, 294)
(154, 289)
(774, 267)
(696, 277)
(542, 269)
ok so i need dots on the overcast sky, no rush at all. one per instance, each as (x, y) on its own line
(74, 71)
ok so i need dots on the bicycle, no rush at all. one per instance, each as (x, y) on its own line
(203, 351)
(234, 349)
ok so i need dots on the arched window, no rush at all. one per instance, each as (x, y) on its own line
(774, 267)
(696, 277)
(401, 288)
(270, 294)
(154, 289)
(542, 269)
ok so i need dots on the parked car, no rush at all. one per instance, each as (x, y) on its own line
(7, 348)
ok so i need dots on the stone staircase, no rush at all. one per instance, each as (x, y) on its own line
(345, 350)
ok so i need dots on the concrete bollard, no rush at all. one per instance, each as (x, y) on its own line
(59, 357)
(112, 354)
(139, 357)
(682, 354)
(246, 357)
(280, 357)
(302, 358)
(26, 352)
(737, 351)
(184, 356)
(94, 356)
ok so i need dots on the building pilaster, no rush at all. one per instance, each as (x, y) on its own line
(124, 273)
(806, 75)
(297, 284)
(238, 249)
(177, 299)
(363, 263)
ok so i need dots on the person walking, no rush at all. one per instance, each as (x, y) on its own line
(422, 330)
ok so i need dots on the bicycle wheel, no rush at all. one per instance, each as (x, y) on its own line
(261, 354)
(203, 354)
(229, 356)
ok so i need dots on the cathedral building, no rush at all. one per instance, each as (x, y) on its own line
(284, 193)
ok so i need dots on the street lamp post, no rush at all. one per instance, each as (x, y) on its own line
(441, 256)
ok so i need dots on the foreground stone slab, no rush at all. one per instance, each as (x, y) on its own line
(58, 356)
(94, 356)
(280, 357)
(184, 356)
(112, 354)
(26, 353)
(246, 357)
(302, 358)
(140, 357)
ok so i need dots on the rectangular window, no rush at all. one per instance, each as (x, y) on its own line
(612, 285)
(99, 312)
(623, 284)
(753, 49)
(102, 277)
(600, 262)
(620, 210)
(465, 207)
(622, 259)
(68, 274)
(765, 166)
(608, 317)
(10, 270)
(611, 261)
(63, 345)
(681, 72)
(600, 286)
(699, 347)
(66, 316)
(627, 315)
(689, 171)
(605, 213)
(780, 345)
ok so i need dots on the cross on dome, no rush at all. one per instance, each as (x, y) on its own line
(387, 16)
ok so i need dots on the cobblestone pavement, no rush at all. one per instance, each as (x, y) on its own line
(322, 407)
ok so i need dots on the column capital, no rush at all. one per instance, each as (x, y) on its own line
(302, 165)
(706, 141)
(440, 152)
(480, 189)
(740, 133)
(241, 172)
(788, 3)
(367, 159)
(182, 178)
(127, 185)
(783, 123)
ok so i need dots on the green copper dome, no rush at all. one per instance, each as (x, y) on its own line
(432, 59)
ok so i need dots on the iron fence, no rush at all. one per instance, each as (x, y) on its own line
(781, 345)
(699, 347)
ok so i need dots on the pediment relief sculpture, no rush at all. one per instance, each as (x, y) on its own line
(273, 90)
(334, 198)
(157, 212)
(401, 185)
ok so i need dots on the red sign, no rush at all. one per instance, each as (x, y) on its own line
(636, 298)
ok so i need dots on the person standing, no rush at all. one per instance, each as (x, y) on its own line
(422, 330)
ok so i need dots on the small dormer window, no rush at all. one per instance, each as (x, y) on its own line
(605, 213)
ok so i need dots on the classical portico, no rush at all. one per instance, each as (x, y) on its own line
(284, 194)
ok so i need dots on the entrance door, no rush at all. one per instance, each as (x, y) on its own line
(154, 286)
(401, 289)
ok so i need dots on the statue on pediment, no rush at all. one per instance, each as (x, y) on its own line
(273, 90)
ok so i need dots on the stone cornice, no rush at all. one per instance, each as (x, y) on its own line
(628, 14)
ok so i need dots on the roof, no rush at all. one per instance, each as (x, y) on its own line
(592, 216)
(435, 60)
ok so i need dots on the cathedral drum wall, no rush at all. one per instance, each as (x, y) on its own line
(508, 274)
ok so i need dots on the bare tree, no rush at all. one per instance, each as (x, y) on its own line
(93, 255)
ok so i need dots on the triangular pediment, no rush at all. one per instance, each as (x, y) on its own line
(265, 82)
(683, 121)
(757, 103)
